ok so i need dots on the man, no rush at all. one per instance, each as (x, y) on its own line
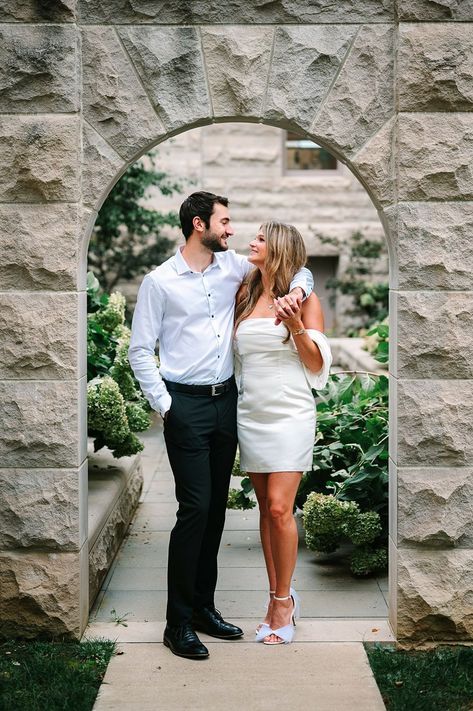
(187, 304)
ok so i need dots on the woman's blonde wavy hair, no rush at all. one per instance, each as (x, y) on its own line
(285, 255)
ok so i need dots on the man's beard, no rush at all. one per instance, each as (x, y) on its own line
(212, 242)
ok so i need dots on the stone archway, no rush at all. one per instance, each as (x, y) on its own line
(84, 98)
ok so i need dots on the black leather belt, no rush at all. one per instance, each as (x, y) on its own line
(201, 390)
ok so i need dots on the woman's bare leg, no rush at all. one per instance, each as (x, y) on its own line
(260, 482)
(281, 492)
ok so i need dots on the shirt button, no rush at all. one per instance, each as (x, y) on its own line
(208, 294)
(213, 316)
(218, 335)
(218, 356)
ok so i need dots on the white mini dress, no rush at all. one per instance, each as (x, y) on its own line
(276, 414)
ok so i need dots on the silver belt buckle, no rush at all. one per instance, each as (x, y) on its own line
(214, 389)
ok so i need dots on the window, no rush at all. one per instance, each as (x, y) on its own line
(303, 154)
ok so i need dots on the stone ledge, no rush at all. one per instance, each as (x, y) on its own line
(349, 353)
(114, 491)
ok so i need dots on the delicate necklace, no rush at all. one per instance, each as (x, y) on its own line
(270, 304)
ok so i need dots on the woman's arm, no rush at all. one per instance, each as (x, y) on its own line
(310, 316)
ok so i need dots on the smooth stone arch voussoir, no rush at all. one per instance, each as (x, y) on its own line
(88, 87)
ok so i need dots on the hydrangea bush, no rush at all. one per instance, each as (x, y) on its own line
(115, 406)
(345, 495)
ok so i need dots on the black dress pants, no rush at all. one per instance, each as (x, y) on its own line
(201, 438)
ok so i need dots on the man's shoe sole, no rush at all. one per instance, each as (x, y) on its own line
(185, 656)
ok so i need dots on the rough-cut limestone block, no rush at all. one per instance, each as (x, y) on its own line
(428, 10)
(108, 540)
(39, 594)
(169, 62)
(237, 60)
(38, 247)
(175, 12)
(39, 68)
(435, 595)
(433, 245)
(114, 101)
(435, 65)
(39, 336)
(374, 165)
(434, 423)
(100, 168)
(436, 156)
(40, 423)
(34, 11)
(435, 507)
(39, 508)
(304, 64)
(39, 158)
(362, 98)
(434, 334)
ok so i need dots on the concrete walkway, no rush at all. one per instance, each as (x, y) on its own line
(326, 668)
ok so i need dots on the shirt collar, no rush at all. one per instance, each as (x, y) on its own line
(183, 268)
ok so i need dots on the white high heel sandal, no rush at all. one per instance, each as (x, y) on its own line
(286, 633)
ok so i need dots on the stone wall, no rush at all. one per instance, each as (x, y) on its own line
(85, 89)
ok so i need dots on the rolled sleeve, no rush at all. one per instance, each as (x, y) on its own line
(304, 279)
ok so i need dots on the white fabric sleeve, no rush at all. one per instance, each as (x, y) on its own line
(245, 266)
(145, 330)
(318, 381)
(305, 280)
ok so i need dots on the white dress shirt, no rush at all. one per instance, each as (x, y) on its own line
(191, 314)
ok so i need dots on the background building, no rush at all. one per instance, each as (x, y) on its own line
(270, 173)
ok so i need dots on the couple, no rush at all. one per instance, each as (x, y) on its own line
(188, 305)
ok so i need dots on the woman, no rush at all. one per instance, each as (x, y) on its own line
(276, 366)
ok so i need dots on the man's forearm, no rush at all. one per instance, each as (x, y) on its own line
(303, 280)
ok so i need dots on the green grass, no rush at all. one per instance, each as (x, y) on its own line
(52, 676)
(437, 680)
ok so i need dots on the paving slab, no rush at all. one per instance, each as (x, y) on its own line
(308, 630)
(151, 604)
(248, 675)
(304, 579)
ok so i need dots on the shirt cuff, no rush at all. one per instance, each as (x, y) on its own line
(164, 404)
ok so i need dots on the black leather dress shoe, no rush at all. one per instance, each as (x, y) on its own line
(183, 641)
(210, 621)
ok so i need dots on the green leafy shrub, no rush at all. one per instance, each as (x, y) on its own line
(325, 521)
(240, 498)
(115, 406)
(350, 465)
(376, 342)
(329, 521)
(129, 237)
(366, 561)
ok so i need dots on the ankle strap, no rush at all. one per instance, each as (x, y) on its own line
(288, 597)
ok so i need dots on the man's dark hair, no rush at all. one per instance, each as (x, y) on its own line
(201, 205)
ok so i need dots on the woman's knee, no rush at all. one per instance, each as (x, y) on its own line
(279, 510)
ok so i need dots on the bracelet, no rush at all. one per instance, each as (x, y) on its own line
(298, 332)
